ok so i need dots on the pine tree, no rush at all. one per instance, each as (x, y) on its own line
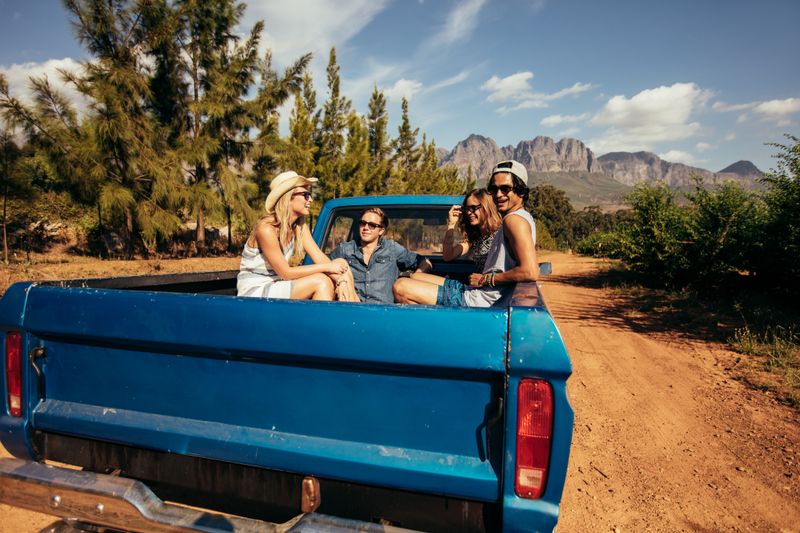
(356, 164)
(303, 125)
(12, 179)
(406, 156)
(269, 152)
(142, 181)
(333, 134)
(379, 145)
(220, 72)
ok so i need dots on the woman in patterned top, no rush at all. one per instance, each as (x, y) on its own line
(478, 219)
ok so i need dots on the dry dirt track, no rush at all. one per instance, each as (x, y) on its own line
(665, 439)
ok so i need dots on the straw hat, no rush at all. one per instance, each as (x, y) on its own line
(283, 183)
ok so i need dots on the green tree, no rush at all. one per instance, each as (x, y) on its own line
(406, 156)
(221, 71)
(141, 177)
(303, 125)
(333, 134)
(379, 144)
(12, 180)
(356, 163)
(780, 259)
(552, 206)
(269, 150)
(721, 232)
(656, 239)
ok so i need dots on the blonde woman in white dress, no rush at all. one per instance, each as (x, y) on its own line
(272, 258)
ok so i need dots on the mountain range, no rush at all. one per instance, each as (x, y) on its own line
(569, 162)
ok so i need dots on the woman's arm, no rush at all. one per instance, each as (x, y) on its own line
(267, 238)
(450, 250)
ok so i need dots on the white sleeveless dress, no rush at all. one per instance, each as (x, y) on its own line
(257, 278)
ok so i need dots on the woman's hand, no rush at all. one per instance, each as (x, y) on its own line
(336, 268)
(453, 216)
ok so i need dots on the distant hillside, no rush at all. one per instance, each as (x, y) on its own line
(571, 166)
(586, 188)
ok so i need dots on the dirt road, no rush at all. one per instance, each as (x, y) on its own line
(666, 439)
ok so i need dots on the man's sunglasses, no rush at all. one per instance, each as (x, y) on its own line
(304, 194)
(505, 189)
(371, 225)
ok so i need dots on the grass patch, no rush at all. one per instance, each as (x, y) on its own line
(777, 351)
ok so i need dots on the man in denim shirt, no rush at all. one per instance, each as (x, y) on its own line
(376, 262)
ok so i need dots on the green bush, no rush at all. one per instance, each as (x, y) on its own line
(544, 240)
(723, 232)
(604, 244)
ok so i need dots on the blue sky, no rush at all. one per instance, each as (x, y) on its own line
(696, 81)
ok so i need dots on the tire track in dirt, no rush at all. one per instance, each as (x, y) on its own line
(665, 439)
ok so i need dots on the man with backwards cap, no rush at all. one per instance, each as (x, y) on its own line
(511, 259)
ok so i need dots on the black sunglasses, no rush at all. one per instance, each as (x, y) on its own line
(304, 194)
(494, 189)
(371, 225)
(472, 208)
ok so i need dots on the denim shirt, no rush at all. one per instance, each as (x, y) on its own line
(374, 281)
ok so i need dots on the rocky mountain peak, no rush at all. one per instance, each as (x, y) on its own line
(543, 154)
(743, 168)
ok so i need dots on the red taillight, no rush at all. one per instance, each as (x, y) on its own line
(14, 372)
(534, 433)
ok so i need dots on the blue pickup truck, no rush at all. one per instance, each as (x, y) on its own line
(186, 408)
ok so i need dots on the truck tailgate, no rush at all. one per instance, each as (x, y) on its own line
(394, 396)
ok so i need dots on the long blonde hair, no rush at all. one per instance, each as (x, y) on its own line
(278, 217)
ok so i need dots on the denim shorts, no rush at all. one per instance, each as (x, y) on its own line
(451, 293)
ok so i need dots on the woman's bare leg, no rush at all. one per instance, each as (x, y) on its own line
(415, 291)
(313, 287)
(430, 278)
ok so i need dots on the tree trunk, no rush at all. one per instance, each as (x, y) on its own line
(129, 230)
(5, 235)
(200, 237)
(230, 227)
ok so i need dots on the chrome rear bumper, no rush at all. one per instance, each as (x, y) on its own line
(130, 505)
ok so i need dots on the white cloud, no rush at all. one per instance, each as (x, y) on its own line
(555, 120)
(517, 88)
(290, 33)
(778, 110)
(678, 156)
(569, 132)
(19, 75)
(703, 147)
(453, 80)
(649, 117)
(730, 137)
(460, 23)
(513, 87)
(722, 107)
(403, 88)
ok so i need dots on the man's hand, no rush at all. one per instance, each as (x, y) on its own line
(424, 265)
